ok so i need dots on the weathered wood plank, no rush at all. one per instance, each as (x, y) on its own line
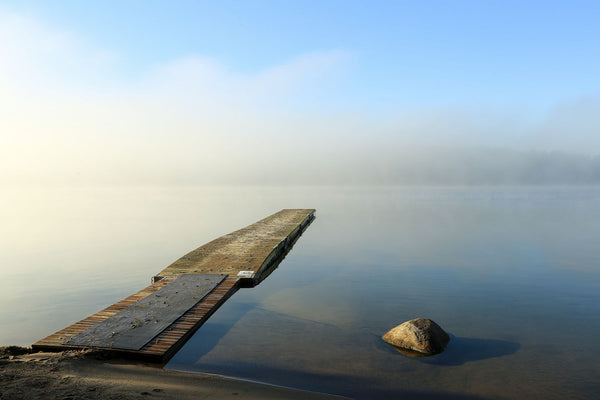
(249, 249)
(134, 326)
(247, 256)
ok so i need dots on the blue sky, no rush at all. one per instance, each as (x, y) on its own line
(509, 53)
(236, 74)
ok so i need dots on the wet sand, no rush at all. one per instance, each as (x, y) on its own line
(71, 375)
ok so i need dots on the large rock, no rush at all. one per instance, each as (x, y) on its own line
(421, 335)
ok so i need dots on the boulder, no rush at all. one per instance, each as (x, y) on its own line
(421, 335)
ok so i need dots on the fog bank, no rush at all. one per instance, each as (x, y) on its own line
(70, 115)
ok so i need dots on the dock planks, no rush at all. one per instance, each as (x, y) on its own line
(249, 250)
(244, 257)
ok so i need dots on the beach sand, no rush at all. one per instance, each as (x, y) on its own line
(71, 375)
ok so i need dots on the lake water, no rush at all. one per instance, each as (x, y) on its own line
(513, 274)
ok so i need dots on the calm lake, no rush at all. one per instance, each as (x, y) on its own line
(513, 274)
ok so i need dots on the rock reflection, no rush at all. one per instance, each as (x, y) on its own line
(462, 350)
(411, 353)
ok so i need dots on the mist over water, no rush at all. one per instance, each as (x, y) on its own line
(454, 167)
(72, 115)
(510, 272)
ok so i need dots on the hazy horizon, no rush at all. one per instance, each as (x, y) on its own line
(391, 93)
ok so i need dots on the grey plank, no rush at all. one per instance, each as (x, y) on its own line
(136, 325)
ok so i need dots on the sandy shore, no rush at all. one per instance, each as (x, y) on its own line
(74, 375)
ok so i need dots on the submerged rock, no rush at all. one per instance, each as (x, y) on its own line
(421, 335)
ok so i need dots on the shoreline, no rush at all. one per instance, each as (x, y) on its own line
(91, 375)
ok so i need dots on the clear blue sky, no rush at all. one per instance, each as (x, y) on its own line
(406, 52)
(341, 77)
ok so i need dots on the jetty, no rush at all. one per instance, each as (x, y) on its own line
(155, 322)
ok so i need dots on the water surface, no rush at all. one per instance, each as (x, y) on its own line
(511, 273)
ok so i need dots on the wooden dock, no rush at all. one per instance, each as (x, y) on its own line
(155, 322)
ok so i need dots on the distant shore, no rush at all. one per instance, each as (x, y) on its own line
(89, 375)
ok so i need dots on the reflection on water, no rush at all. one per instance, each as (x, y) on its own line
(512, 273)
(461, 350)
